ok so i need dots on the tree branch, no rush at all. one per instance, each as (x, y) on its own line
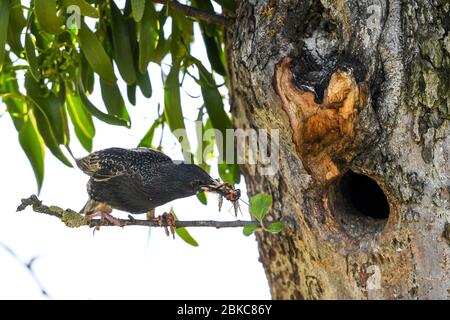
(27, 265)
(75, 219)
(196, 13)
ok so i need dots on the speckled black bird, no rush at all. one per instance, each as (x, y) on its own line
(138, 180)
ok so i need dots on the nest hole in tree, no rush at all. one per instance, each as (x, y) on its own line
(359, 204)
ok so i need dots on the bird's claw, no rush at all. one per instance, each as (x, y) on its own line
(167, 220)
(104, 216)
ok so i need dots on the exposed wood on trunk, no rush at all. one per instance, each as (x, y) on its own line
(321, 130)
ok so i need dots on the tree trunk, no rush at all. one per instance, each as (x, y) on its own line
(359, 92)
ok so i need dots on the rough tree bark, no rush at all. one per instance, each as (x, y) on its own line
(356, 87)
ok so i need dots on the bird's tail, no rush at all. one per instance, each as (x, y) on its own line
(81, 163)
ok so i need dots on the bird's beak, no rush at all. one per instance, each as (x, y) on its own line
(209, 188)
(212, 187)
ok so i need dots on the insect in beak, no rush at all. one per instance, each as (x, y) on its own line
(227, 191)
(220, 200)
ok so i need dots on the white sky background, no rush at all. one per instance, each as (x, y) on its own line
(114, 264)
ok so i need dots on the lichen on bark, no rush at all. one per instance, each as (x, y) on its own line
(428, 47)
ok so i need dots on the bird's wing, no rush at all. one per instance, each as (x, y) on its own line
(151, 154)
(101, 166)
(113, 162)
(146, 164)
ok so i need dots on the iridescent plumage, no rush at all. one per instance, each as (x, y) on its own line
(138, 180)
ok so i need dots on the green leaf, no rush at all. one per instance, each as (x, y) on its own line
(236, 172)
(260, 205)
(275, 227)
(183, 233)
(201, 196)
(16, 24)
(147, 30)
(45, 11)
(33, 148)
(123, 53)
(249, 229)
(147, 140)
(81, 120)
(173, 112)
(85, 8)
(207, 6)
(213, 52)
(110, 119)
(227, 4)
(172, 102)
(46, 131)
(50, 117)
(43, 39)
(186, 236)
(96, 55)
(229, 172)
(24, 123)
(204, 151)
(15, 101)
(138, 7)
(51, 106)
(4, 20)
(213, 103)
(131, 94)
(144, 84)
(87, 75)
(214, 106)
(209, 32)
(181, 36)
(113, 101)
(163, 45)
(31, 57)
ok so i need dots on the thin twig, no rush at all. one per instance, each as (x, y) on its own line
(196, 13)
(74, 219)
(27, 265)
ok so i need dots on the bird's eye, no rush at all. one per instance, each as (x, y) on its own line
(196, 183)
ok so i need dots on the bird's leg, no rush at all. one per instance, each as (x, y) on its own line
(100, 209)
(151, 214)
(167, 220)
(104, 215)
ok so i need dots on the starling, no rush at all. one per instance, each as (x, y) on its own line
(139, 180)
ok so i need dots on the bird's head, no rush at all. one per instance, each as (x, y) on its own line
(191, 179)
(194, 178)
